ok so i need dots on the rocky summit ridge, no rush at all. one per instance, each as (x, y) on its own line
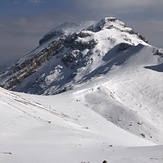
(72, 54)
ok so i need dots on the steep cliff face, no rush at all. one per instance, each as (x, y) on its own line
(72, 54)
(17, 73)
(50, 45)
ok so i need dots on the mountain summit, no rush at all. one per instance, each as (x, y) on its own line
(72, 54)
(104, 66)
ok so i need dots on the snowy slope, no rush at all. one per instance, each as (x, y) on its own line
(106, 67)
(61, 129)
(130, 95)
(125, 89)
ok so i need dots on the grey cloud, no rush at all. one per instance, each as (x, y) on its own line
(15, 1)
(20, 35)
(152, 30)
(128, 9)
(136, 3)
(36, 1)
(2, 26)
(103, 4)
(29, 1)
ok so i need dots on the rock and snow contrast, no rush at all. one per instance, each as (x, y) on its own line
(64, 58)
(105, 98)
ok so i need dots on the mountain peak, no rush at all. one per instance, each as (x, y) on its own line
(107, 20)
(108, 23)
(74, 53)
(107, 70)
(113, 23)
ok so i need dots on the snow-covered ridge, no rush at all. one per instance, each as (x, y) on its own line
(112, 22)
(74, 48)
(107, 82)
(64, 30)
(53, 126)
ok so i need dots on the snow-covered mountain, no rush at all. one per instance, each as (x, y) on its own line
(117, 73)
(71, 54)
(106, 82)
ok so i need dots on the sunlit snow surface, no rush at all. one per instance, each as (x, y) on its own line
(113, 110)
(62, 129)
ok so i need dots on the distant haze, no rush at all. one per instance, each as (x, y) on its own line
(24, 22)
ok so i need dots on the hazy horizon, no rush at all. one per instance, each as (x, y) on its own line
(24, 22)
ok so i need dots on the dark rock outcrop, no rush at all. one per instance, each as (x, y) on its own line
(66, 51)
